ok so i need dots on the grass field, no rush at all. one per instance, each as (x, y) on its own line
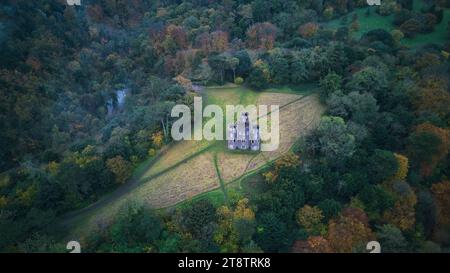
(189, 170)
(375, 21)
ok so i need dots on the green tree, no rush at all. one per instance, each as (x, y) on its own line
(392, 240)
(331, 83)
(369, 79)
(381, 166)
(135, 229)
(271, 233)
(332, 140)
(279, 67)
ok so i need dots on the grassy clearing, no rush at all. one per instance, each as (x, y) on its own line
(233, 165)
(191, 178)
(376, 21)
(438, 36)
(367, 23)
(177, 153)
(191, 170)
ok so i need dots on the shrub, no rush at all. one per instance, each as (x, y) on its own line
(239, 80)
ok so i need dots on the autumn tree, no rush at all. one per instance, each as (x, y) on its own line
(219, 41)
(308, 30)
(261, 35)
(435, 100)
(441, 192)
(345, 234)
(310, 218)
(120, 167)
(402, 215)
(402, 169)
(203, 42)
(175, 39)
(314, 244)
(285, 161)
(428, 144)
(235, 227)
(157, 139)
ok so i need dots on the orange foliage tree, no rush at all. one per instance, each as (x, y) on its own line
(308, 30)
(261, 35)
(219, 41)
(442, 151)
(402, 215)
(441, 192)
(347, 233)
(436, 100)
(314, 244)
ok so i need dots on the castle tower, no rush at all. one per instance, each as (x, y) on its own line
(243, 132)
(255, 139)
(232, 136)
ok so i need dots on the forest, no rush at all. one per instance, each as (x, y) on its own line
(85, 99)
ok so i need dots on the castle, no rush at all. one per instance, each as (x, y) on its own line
(241, 137)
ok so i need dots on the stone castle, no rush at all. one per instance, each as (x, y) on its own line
(242, 137)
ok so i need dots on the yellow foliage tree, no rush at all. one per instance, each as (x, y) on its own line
(151, 152)
(270, 176)
(310, 218)
(403, 167)
(26, 197)
(227, 235)
(287, 160)
(5, 179)
(120, 167)
(243, 211)
(53, 167)
(157, 139)
(3, 201)
(402, 215)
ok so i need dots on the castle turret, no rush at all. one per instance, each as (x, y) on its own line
(255, 140)
(232, 142)
(243, 132)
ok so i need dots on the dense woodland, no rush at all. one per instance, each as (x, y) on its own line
(376, 168)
